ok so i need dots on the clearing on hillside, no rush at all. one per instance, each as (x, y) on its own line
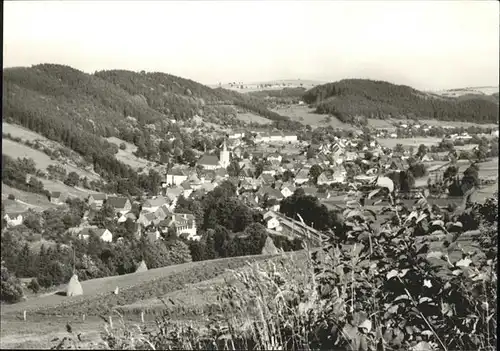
(42, 161)
(126, 156)
(24, 200)
(69, 164)
(249, 117)
(57, 185)
(306, 115)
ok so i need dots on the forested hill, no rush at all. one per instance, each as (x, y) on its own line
(78, 109)
(100, 102)
(352, 98)
(183, 98)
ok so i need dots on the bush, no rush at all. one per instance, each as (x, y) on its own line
(11, 290)
(34, 285)
(11, 197)
(123, 146)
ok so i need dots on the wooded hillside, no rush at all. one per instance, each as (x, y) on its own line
(377, 99)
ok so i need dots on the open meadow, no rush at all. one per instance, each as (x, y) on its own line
(24, 200)
(48, 313)
(126, 156)
(57, 185)
(407, 142)
(249, 117)
(456, 124)
(306, 115)
(42, 160)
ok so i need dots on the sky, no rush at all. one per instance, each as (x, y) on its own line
(430, 45)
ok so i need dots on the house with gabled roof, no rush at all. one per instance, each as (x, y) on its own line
(275, 157)
(397, 164)
(14, 219)
(154, 203)
(350, 156)
(250, 199)
(221, 172)
(58, 198)
(184, 224)
(124, 218)
(271, 193)
(176, 176)
(97, 200)
(287, 190)
(147, 219)
(310, 191)
(326, 178)
(119, 204)
(339, 173)
(269, 170)
(302, 176)
(247, 185)
(102, 233)
(210, 162)
(266, 179)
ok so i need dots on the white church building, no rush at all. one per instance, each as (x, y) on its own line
(211, 162)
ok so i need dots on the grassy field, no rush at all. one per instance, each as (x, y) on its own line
(23, 133)
(24, 200)
(381, 124)
(126, 156)
(28, 135)
(98, 297)
(306, 115)
(407, 142)
(49, 313)
(57, 185)
(252, 118)
(42, 161)
(456, 124)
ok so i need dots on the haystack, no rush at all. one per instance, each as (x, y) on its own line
(269, 247)
(142, 267)
(74, 287)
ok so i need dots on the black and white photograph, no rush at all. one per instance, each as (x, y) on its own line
(250, 175)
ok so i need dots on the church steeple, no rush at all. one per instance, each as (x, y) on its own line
(224, 155)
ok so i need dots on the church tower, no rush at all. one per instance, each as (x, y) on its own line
(224, 156)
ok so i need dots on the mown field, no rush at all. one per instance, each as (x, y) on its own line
(126, 156)
(98, 295)
(252, 118)
(190, 285)
(24, 200)
(57, 185)
(306, 115)
(407, 142)
(42, 161)
(456, 124)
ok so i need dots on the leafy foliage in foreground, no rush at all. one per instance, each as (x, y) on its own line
(375, 289)
(377, 99)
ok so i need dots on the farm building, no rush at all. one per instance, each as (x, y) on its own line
(120, 204)
(97, 200)
(103, 234)
(14, 219)
(58, 198)
(176, 176)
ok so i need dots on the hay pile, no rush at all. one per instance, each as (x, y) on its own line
(269, 247)
(74, 287)
(142, 267)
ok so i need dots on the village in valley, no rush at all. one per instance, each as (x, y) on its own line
(178, 176)
(266, 167)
